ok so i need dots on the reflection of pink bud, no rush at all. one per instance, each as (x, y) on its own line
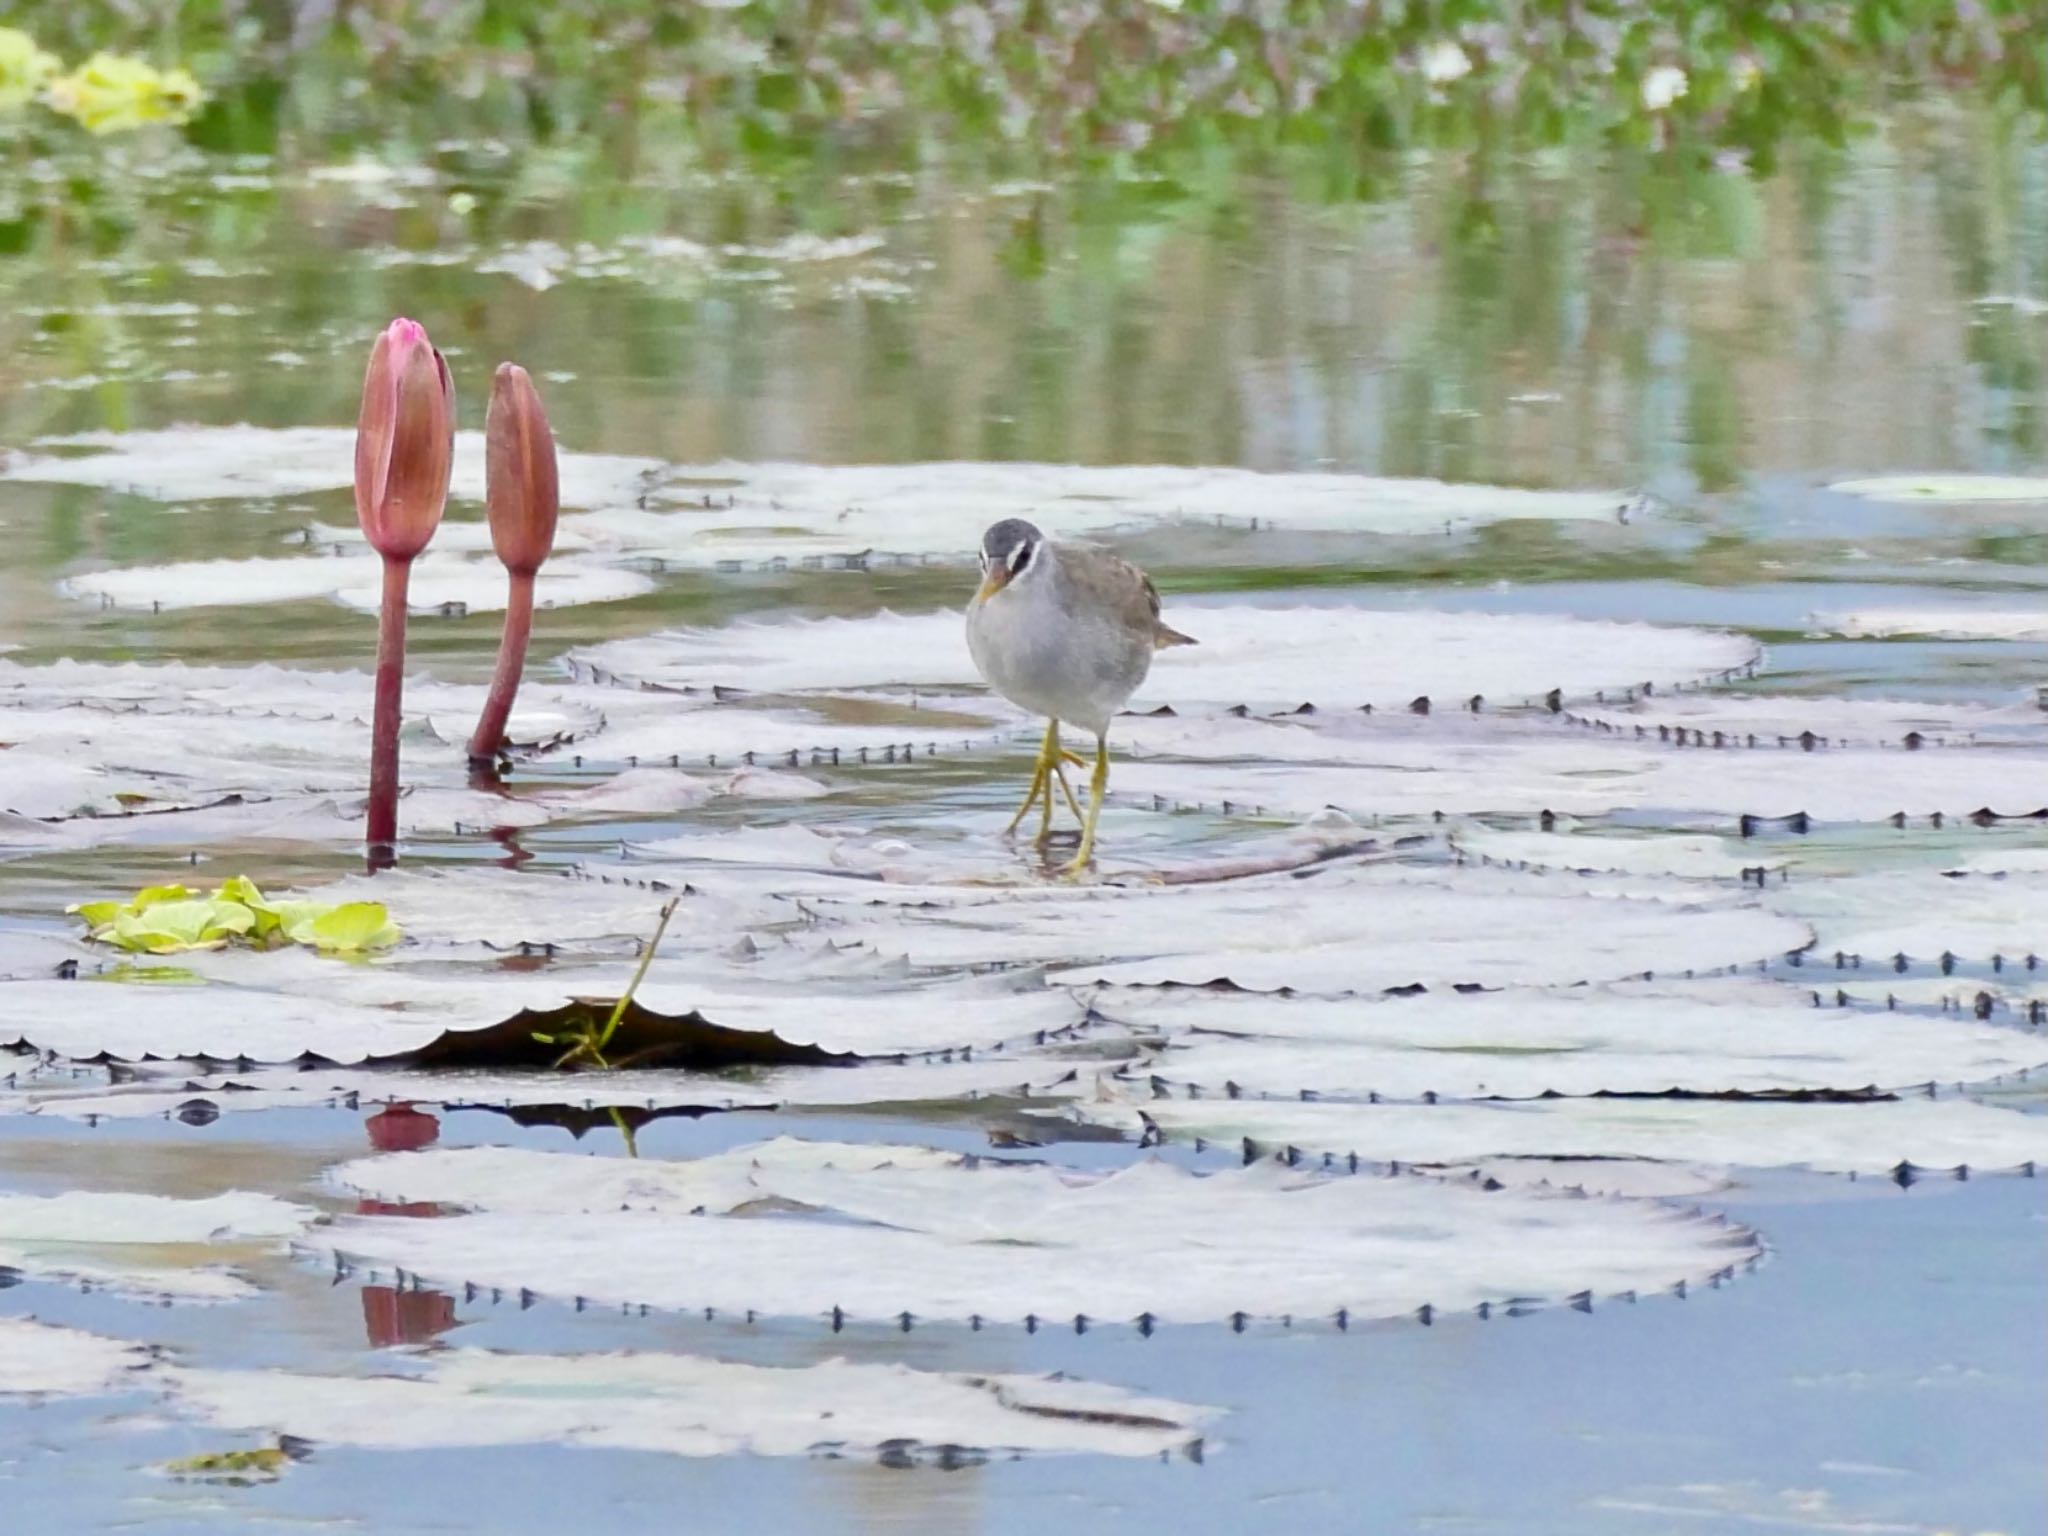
(401, 1128)
(519, 465)
(405, 442)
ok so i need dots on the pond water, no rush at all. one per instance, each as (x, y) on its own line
(1707, 360)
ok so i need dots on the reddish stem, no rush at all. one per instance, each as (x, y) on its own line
(490, 725)
(381, 832)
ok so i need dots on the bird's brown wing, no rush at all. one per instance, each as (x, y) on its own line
(1124, 590)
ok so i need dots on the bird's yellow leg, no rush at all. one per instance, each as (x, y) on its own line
(1052, 764)
(1068, 789)
(1097, 783)
(1041, 779)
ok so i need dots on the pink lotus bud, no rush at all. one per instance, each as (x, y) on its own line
(405, 442)
(519, 472)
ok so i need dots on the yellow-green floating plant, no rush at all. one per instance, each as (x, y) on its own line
(168, 919)
(25, 68)
(108, 93)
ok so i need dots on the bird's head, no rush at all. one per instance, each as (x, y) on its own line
(1008, 550)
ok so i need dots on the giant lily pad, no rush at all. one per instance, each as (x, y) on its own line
(1720, 720)
(442, 583)
(1861, 1138)
(1490, 770)
(693, 1010)
(1738, 1036)
(1924, 916)
(1344, 928)
(116, 741)
(876, 1232)
(1334, 658)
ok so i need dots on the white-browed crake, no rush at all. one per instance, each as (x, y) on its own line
(1066, 631)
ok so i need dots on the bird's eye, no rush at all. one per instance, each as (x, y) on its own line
(1021, 557)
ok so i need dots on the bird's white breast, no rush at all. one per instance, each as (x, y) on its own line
(1046, 651)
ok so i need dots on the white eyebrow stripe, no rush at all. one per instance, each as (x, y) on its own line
(1019, 556)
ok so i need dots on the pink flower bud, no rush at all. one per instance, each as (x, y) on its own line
(519, 472)
(405, 442)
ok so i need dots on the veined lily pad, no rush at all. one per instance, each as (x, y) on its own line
(877, 1232)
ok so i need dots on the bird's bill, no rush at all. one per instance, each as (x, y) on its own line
(994, 582)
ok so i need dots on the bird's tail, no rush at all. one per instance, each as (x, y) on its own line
(1162, 637)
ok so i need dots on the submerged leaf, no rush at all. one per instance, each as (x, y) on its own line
(688, 1405)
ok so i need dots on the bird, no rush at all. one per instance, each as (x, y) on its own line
(1066, 630)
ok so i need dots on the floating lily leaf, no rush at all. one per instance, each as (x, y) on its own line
(1706, 858)
(1863, 1138)
(1345, 928)
(1333, 658)
(1972, 623)
(685, 1405)
(127, 745)
(442, 583)
(658, 728)
(106, 1239)
(212, 463)
(879, 1231)
(1731, 1036)
(581, 1101)
(769, 513)
(291, 1006)
(1946, 489)
(857, 515)
(1924, 916)
(1476, 771)
(41, 1359)
(1727, 720)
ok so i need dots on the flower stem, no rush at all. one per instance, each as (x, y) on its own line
(490, 725)
(381, 831)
